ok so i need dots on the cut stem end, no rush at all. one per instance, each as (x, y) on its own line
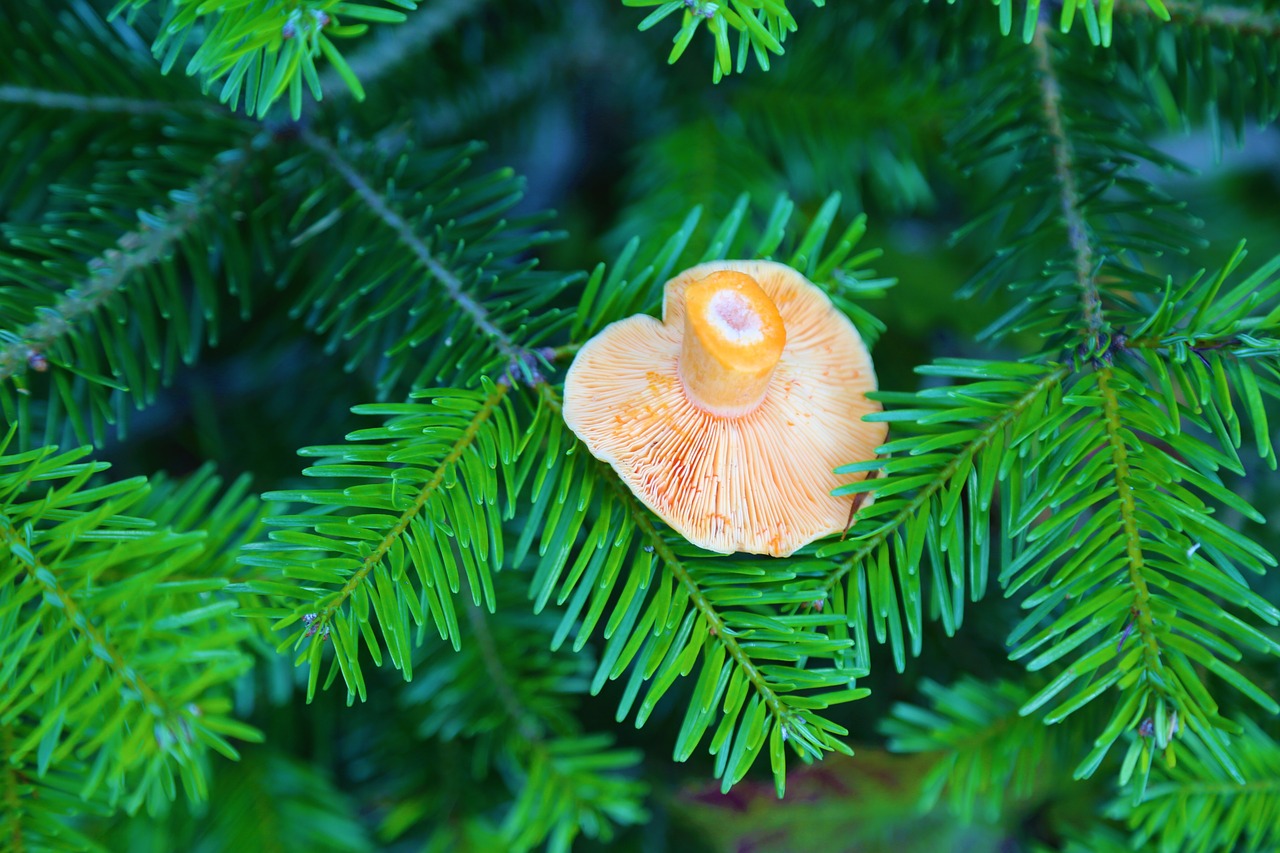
(733, 339)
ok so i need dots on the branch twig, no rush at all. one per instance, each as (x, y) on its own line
(518, 357)
(1237, 19)
(374, 558)
(868, 545)
(112, 270)
(48, 99)
(499, 677)
(680, 572)
(1069, 193)
(96, 636)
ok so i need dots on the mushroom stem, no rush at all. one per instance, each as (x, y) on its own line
(733, 338)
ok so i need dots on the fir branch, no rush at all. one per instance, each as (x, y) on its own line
(267, 49)
(571, 782)
(47, 99)
(989, 756)
(438, 283)
(1143, 616)
(82, 622)
(643, 522)
(715, 623)
(1240, 20)
(9, 774)
(385, 52)
(1215, 63)
(519, 359)
(45, 810)
(1196, 806)
(112, 271)
(574, 784)
(762, 27)
(1118, 545)
(498, 675)
(380, 554)
(1077, 237)
(393, 535)
(689, 617)
(1064, 170)
(119, 644)
(508, 700)
(964, 456)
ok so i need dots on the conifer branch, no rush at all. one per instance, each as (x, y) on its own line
(428, 490)
(9, 774)
(644, 524)
(868, 545)
(46, 99)
(1237, 19)
(1196, 805)
(515, 355)
(394, 45)
(989, 755)
(1078, 236)
(1226, 789)
(1144, 619)
(112, 271)
(498, 675)
(104, 650)
(1064, 171)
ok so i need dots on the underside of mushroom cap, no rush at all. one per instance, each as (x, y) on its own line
(758, 482)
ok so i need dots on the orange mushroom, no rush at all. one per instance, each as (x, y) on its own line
(728, 418)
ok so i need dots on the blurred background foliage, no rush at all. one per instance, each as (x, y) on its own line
(567, 93)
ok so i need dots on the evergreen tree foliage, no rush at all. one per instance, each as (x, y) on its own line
(233, 229)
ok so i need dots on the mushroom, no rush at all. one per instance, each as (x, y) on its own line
(728, 418)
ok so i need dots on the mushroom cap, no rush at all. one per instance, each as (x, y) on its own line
(758, 482)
